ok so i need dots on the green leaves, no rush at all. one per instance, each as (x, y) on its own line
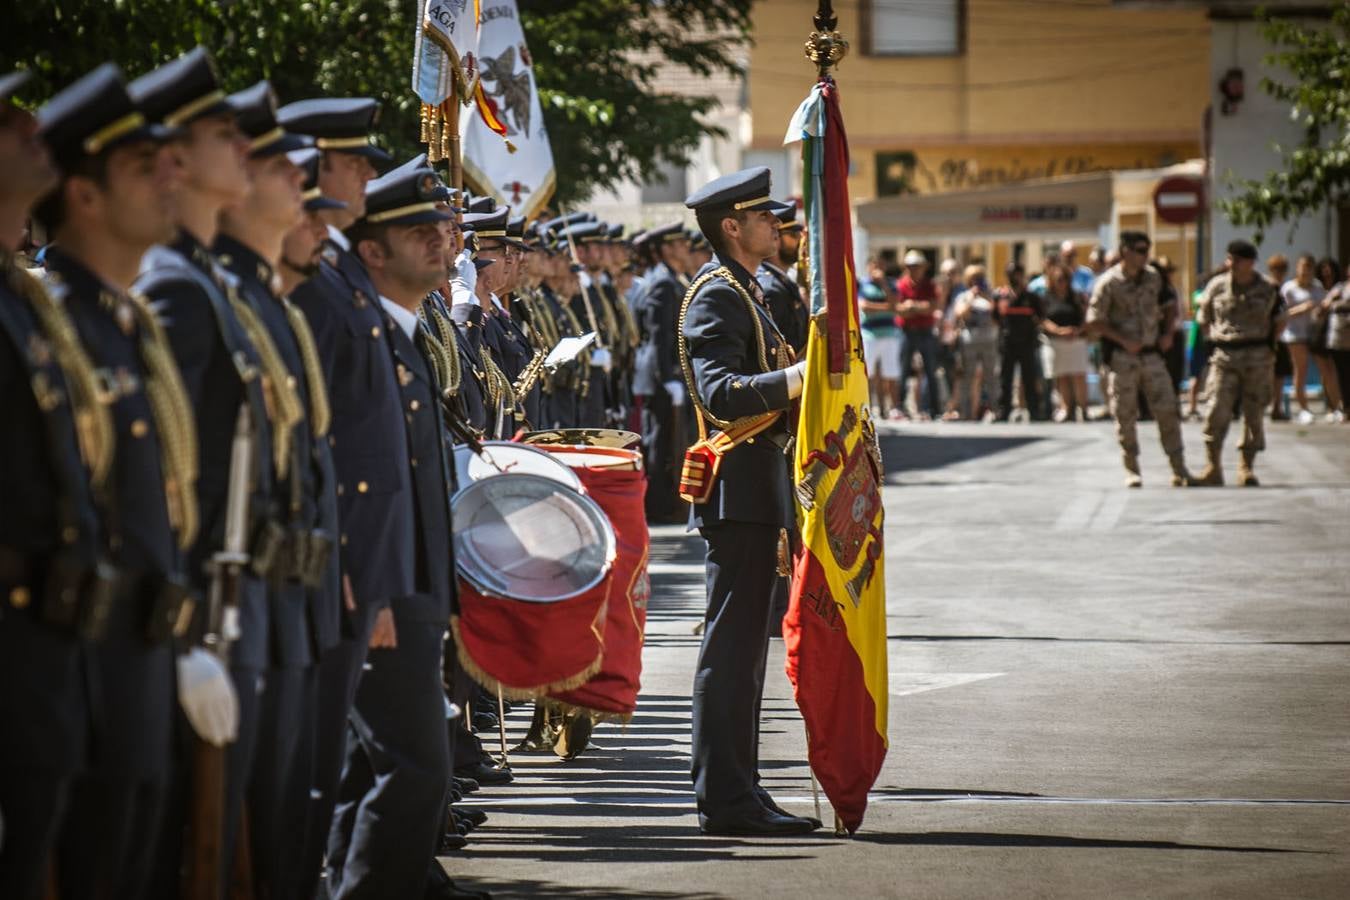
(597, 63)
(1316, 172)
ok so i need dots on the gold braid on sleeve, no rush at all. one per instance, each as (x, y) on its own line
(320, 412)
(174, 422)
(498, 385)
(93, 422)
(629, 323)
(282, 400)
(443, 350)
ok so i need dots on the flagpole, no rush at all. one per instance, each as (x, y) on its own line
(826, 46)
(454, 148)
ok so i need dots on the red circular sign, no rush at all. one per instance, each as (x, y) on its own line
(1179, 200)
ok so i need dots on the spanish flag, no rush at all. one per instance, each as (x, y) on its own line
(835, 628)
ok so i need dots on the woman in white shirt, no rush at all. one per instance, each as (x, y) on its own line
(1301, 294)
(979, 338)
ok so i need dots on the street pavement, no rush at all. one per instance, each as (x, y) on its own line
(1094, 692)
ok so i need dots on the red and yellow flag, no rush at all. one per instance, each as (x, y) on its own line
(835, 627)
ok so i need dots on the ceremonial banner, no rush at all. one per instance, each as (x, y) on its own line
(517, 172)
(444, 68)
(835, 628)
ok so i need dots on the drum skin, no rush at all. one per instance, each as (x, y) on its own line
(619, 488)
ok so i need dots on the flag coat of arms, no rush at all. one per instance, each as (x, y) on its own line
(507, 106)
(835, 628)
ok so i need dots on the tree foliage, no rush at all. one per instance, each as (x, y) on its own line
(1316, 171)
(596, 63)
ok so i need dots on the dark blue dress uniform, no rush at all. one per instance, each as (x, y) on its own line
(589, 308)
(108, 835)
(657, 311)
(369, 445)
(747, 512)
(785, 305)
(474, 388)
(50, 539)
(395, 782)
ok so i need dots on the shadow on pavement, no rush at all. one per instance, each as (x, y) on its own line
(915, 452)
(995, 839)
(504, 889)
(633, 844)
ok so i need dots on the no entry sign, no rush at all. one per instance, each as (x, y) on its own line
(1179, 200)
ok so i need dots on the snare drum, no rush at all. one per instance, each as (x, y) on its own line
(536, 562)
(508, 457)
(586, 437)
(526, 537)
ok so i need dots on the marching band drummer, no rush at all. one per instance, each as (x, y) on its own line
(738, 366)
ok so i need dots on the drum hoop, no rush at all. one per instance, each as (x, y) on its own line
(605, 527)
(574, 482)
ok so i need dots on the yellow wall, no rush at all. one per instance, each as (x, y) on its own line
(1036, 81)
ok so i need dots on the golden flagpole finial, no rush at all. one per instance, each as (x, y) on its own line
(826, 46)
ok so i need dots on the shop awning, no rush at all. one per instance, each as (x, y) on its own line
(1051, 207)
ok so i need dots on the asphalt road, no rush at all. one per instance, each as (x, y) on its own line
(1094, 692)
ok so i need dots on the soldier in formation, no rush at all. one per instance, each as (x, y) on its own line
(238, 387)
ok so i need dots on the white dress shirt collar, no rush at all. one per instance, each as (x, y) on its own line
(406, 321)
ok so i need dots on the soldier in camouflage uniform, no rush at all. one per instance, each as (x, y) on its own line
(1127, 311)
(1241, 313)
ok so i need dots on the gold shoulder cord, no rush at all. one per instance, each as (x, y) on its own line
(498, 385)
(629, 323)
(443, 350)
(282, 399)
(320, 412)
(93, 422)
(173, 421)
(700, 410)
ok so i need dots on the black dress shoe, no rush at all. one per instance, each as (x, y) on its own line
(484, 721)
(761, 824)
(483, 773)
(440, 887)
(767, 802)
(456, 794)
(475, 817)
(465, 785)
(452, 842)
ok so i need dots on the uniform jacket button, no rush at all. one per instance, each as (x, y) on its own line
(375, 331)
(19, 597)
(362, 487)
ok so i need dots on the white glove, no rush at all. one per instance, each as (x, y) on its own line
(602, 359)
(676, 391)
(464, 281)
(795, 374)
(207, 696)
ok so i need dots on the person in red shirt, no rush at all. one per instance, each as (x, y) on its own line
(918, 311)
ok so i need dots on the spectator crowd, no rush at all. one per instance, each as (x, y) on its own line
(953, 345)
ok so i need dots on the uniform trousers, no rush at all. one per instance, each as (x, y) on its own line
(110, 835)
(396, 779)
(1238, 376)
(338, 673)
(42, 746)
(659, 427)
(741, 570)
(1130, 372)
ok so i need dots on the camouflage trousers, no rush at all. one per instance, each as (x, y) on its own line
(1127, 375)
(1238, 376)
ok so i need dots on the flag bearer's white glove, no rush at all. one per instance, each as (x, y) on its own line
(601, 358)
(207, 696)
(676, 391)
(464, 281)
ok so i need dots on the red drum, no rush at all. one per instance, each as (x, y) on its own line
(614, 479)
(536, 565)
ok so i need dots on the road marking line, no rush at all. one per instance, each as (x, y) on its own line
(1076, 515)
(1110, 512)
(903, 684)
